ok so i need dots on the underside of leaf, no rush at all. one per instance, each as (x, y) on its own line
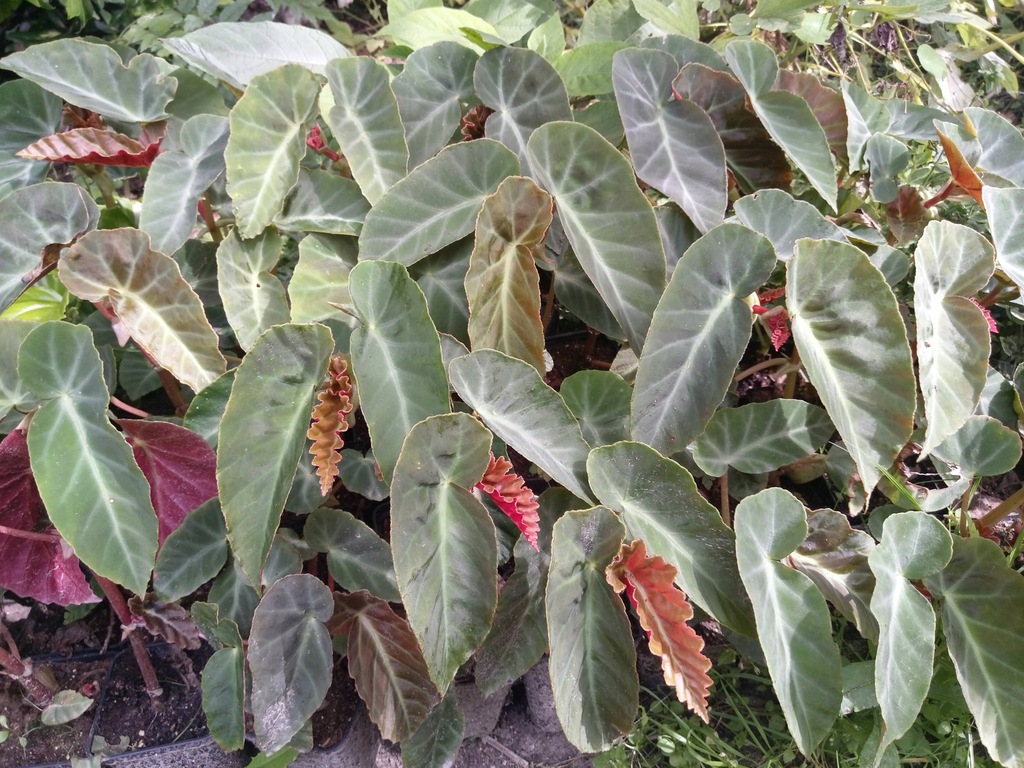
(663, 612)
(330, 419)
(508, 490)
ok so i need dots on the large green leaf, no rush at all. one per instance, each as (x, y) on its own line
(357, 557)
(1000, 143)
(430, 89)
(193, 553)
(237, 52)
(437, 203)
(14, 393)
(253, 296)
(608, 220)
(235, 597)
(865, 117)
(427, 26)
(178, 178)
(586, 70)
(853, 343)
(576, 291)
(978, 593)
(953, 264)
(263, 434)
(396, 357)
(593, 661)
(783, 220)
(442, 278)
(677, 18)
(93, 76)
(512, 19)
(95, 494)
(600, 401)
(27, 113)
(659, 503)
(792, 618)
(699, 333)
(524, 91)
(290, 657)
(223, 689)
(324, 202)
(502, 283)
(267, 141)
(443, 540)
(1005, 209)
(914, 545)
(150, 297)
(673, 144)
(516, 404)
(438, 739)
(982, 447)
(320, 280)
(786, 116)
(761, 437)
(38, 218)
(386, 663)
(366, 123)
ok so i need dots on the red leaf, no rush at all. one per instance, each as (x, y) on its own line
(509, 492)
(778, 324)
(93, 145)
(906, 215)
(663, 613)
(180, 466)
(43, 569)
(992, 327)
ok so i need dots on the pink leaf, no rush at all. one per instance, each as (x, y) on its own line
(510, 493)
(43, 568)
(992, 327)
(180, 466)
(93, 145)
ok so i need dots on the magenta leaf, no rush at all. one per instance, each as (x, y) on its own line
(179, 465)
(40, 565)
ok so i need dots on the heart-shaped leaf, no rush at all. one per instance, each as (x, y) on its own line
(253, 296)
(357, 557)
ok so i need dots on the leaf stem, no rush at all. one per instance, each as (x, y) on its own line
(206, 209)
(772, 363)
(12, 664)
(1004, 510)
(723, 499)
(124, 614)
(789, 390)
(129, 408)
(32, 535)
(549, 304)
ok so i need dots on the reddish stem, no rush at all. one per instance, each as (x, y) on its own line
(123, 612)
(33, 535)
(16, 668)
(129, 408)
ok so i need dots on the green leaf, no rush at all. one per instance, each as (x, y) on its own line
(982, 447)
(358, 473)
(502, 283)
(852, 342)
(14, 393)
(238, 52)
(609, 20)
(267, 141)
(524, 91)
(443, 540)
(783, 220)
(207, 408)
(324, 202)
(290, 658)
(431, 88)
(780, 9)
(93, 77)
(600, 401)
(253, 296)
(40, 217)
(699, 333)
(1000, 143)
(235, 597)
(953, 264)
(576, 291)
(586, 70)
(320, 279)
(437, 203)
(1005, 210)
(95, 494)
(442, 278)
(65, 707)
(41, 301)
(785, 115)
(438, 739)
(677, 18)
(396, 357)
(178, 178)
(792, 618)
(913, 545)
(366, 123)
(223, 689)
(593, 661)
(264, 426)
(519, 632)
(426, 26)
(548, 38)
(865, 117)
(386, 663)
(984, 635)
(151, 299)
(887, 158)
(835, 557)
(659, 503)
(516, 404)
(193, 553)
(608, 220)
(761, 437)
(27, 113)
(673, 144)
(686, 50)
(357, 557)
(512, 19)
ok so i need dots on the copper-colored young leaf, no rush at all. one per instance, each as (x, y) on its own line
(509, 492)
(330, 419)
(98, 146)
(906, 215)
(826, 104)
(168, 621)
(180, 466)
(42, 569)
(663, 612)
(965, 177)
(386, 663)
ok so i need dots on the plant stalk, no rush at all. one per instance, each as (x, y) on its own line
(789, 390)
(211, 224)
(11, 661)
(124, 614)
(49, 538)
(723, 500)
(1004, 510)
